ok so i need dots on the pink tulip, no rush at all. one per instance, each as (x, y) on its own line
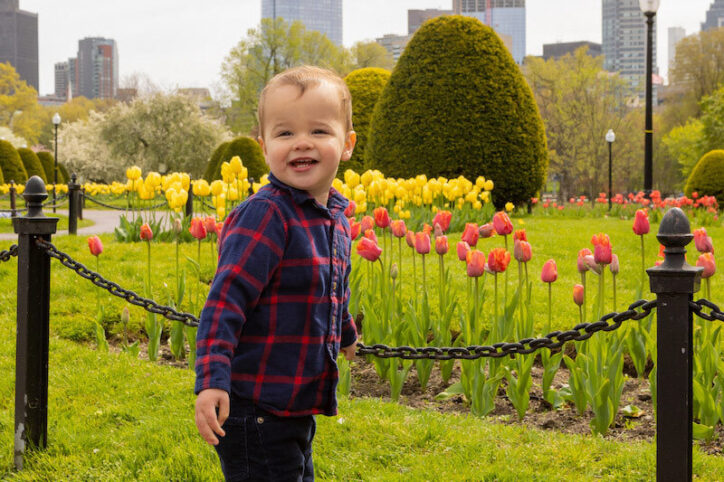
(370, 234)
(614, 267)
(210, 224)
(641, 222)
(702, 241)
(197, 228)
(463, 248)
(146, 233)
(470, 234)
(550, 272)
(382, 217)
(368, 249)
(367, 223)
(354, 229)
(502, 223)
(442, 218)
(350, 209)
(590, 262)
(422, 243)
(486, 230)
(582, 266)
(602, 248)
(475, 261)
(398, 228)
(498, 259)
(522, 251)
(410, 238)
(95, 245)
(707, 261)
(578, 294)
(441, 245)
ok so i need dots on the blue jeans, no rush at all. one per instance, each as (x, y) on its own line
(262, 446)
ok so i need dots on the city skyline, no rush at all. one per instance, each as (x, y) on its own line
(154, 37)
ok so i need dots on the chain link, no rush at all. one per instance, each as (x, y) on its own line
(5, 255)
(698, 308)
(114, 289)
(556, 339)
(58, 199)
(118, 208)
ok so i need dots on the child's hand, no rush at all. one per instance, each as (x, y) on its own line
(207, 421)
(349, 351)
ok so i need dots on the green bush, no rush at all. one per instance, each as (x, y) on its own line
(365, 85)
(63, 175)
(457, 103)
(251, 155)
(48, 162)
(32, 164)
(214, 161)
(707, 178)
(11, 164)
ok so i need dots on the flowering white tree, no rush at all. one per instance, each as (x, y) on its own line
(82, 151)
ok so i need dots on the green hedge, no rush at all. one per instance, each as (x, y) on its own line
(63, 174)
(457, 103)
(214, 161)
(365, 85)
(48, 162)
(707, 177)
(11, 164)
(32, 164)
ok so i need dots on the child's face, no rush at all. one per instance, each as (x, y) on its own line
(305, 137)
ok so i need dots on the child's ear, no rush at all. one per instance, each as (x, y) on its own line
(260, 140)
(349, 143)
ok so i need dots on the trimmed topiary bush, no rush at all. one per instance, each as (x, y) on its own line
(251, 155)
(365, 85)
(11, 164)
(707, 177)
(63, 174)
(214, 161)
(47, 160)
(32, 164)
(457, 103)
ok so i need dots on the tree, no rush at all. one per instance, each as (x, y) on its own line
(161, 133)
(11, 164)
(699, 63)
(685, 144)
(19, 108)
(78, 108)
(266, 51)
(83, 151)
(371, 54)
(32, 164)
(712, 120)
(457, 104)
(707, 178)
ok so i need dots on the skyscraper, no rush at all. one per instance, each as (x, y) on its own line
(62, 79)
(624, 42)
(324, 16)
(19, 40)
(415, 18)
(675, 36)
(714, 16)
(506, 17)
(96, 68)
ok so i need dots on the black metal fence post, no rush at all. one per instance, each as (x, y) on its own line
(189, 209)
(81, 203)
(13, 199)
(73, 203)
(674, 282)
(31, 357)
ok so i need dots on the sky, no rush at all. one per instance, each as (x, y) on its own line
(182, 43)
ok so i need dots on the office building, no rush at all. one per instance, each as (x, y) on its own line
(506, 17)
(676, 34)
(624, 43)
(394, 44)
(558, 50)
(415, 18)
(19, 41)
(96, 68)
(714, 16)
(62, 79)
(324, 16)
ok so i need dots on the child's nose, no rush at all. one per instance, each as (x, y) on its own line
(303, 143)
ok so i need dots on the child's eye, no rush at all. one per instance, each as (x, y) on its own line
(284, 134)
(319, 131)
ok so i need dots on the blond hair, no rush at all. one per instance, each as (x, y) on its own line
(304, 77)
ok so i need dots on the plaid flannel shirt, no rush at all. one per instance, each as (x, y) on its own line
(277, 310)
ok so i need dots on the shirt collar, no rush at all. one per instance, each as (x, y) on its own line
(336, 202)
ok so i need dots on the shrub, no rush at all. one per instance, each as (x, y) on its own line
(11, 164)
(365, 85)
(707, 178)
(214, 161)
(32, 164)
(456, 103)
(251, 156)
(47, 160)
(63, 175)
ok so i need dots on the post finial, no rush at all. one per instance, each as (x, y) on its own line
(34, 195)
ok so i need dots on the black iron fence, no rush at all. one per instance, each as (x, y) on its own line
(674, 282)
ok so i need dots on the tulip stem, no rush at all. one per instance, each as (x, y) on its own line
(424, 277)
(550, 307)
(198, 289)
(600, 292)
(643, 263)
(520, 292)
(614, 291)
(98, 292)
(399, 246)
(496, 302)
(414, 274)
(583, 283)
(475, 313)
(505, 291)
(441, 287)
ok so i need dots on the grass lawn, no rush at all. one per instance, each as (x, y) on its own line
(116, 418)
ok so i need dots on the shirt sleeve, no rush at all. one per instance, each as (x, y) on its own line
(250, 251)
(349, 330)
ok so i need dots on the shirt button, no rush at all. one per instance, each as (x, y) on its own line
(334, 285)
(260, 420)
(334, 251)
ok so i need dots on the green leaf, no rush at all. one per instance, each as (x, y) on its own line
(702, 432)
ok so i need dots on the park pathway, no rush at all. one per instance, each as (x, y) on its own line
(105, 221)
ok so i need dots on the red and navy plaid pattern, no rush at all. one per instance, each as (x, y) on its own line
(277, 310)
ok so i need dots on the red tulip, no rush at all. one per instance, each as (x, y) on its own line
(502, 223)
(441, 245)
(702, 241)
(95, 245)
(422, 243)
(602, 248)
(470, 234)
(427, 229)
(707, 261)
(349, 211)
(367, 223)
(197, 228)
(550, 272)
(522, 251)
(641, 222)
(578, 294)
(582, 266)
(614, 267)
(498, 259)
(382, 217)
(146, 233)
(463, 248)
(210, 224)
(410, 238)
(368, 249)
(354, 229)
(520, 235)
(398, 228)
(475, 261)
(486, 230)
(219, 227)
(370, 234)
(443, 219)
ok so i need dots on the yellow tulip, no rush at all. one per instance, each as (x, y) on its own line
(185, 180)
(220, 211)
(235, 165)
(477, 205)
(351, 178)
(489, 185)
(233, 194)
(264, 180)
(201, 188)
(256, 186)
(133, 173)
(485, 196)
(480, 182)
(509, 206)
(337, 184)
(361, 208)
(366, 178)
(217, 187)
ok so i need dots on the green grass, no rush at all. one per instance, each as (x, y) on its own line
(115, 418)
(6, 224)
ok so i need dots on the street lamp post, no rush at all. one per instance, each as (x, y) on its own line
(56, 123)
(649, 7)
(610, 137)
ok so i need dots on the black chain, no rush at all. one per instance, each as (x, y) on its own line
(114, 289)
(58, 199)
(556, 339)
(698, 308)
(210, 206)
(5, 255)
(118, 208)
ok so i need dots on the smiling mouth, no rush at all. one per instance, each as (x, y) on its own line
(302, 162)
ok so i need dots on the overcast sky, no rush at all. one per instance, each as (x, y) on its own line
(182, 43)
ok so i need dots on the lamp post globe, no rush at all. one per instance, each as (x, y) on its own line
(610, 137)
(649, 8)
(56, 123)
